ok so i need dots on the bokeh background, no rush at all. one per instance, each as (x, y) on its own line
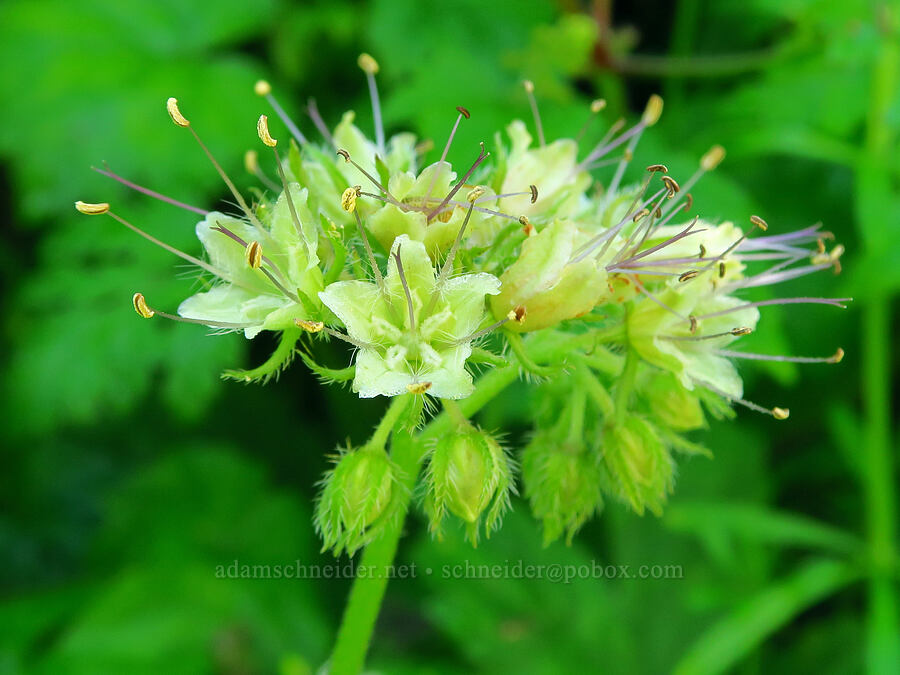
(130, 471)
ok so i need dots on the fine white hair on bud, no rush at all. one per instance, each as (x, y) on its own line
(175, 113)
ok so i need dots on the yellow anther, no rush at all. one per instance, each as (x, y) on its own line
(253, 255)
(251, 161)
(640, 215)
(693, 320)
(475, 194)
(712, 158)
(91, 209)
(262, 128)
(310, 326)
(529, 86)
(653, 110)
(838, 356)
(688, 201)
(781, 413)
(141, 306)
(418, 387)
(368, 64)
(743, 330)
(175, 113)
(597, 105)
(348, 199)
(671, 185)
(262, 88)
(759, 222)
(653, 168)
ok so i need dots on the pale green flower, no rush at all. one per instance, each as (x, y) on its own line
(416, 342)
(245, 296)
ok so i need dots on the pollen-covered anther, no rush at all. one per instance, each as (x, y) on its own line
(262, 128)
(838, 356)
(529, 86)
(693, 320)
(654, 168)
(418, 388)
(671, 185)
(527, 227)
(141, 306)
(653, 111)
(475, 194)
(349, 197)
(760, 223)
(534, 193)
(640, 215)
(310, 326)
(628, 155)
(688, 202)
(463, 111)
(262, 88)
(712, 158)
(781, 413)
(91, 209)
(517, 314)
(597, 105)
(175, 113)
(742, 330)
(343, 153)
(368, 64)
(687, 276)
(253, 255)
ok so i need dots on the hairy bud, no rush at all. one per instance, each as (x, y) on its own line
(640, 468)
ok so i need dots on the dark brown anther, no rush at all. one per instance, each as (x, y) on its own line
(343, 153)
(534, 193)
(693, 320)
(687, 276)
(688, 201)
(671, 185)
(743, 330)
(462, 111)
(702, 251)
(653, 168)
(721, 270)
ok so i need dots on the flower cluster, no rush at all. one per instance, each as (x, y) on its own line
(622, 303)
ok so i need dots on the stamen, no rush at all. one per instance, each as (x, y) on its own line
(359, 344)
(777, 413)
(347, 158)
(687, 276)
(710, 160)
(264, 89)
(262, 129)
(527, 227)
(319, 123)
(835, 358)
(253, 255)
(760, 223)
(409, 302)
(596, 106)
(141, 307)
(481, 157)
(447, 267)
(462, 112)
(348, 199)
(653, 168)
(370, 68)
(92, 209)
(650, 117)
(532, 101)
(672, 185)
(374, 265)
(418, 388)
(178, 118)
(516, 314)
(310, 326)
(734, 332)
(150, 193)
(144, 310)
(834, 302)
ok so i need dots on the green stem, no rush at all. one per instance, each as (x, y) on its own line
(367, 592)
(407, 453)
(398, 406)
(624, 386)
(873, 193)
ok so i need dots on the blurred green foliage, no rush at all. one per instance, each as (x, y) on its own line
(130, 472)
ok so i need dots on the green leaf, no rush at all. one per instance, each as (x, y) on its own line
(733, 637)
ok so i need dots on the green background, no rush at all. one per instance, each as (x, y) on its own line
(130, 471)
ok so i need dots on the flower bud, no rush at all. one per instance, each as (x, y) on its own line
(468, 475)
(641, 471)
(671, 404)
(355, 501)
(562, 483)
